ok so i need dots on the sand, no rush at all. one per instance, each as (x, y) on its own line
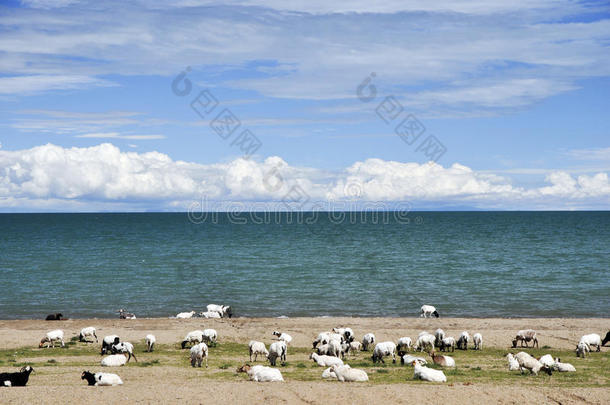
(168, 384)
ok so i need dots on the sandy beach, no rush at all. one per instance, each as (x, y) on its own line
(171, 381)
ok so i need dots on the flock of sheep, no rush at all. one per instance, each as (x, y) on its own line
(329, 350)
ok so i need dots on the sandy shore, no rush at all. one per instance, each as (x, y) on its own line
(176, 384)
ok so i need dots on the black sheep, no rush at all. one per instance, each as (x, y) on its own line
(54, 317)
(89, 376)
(19, 379)
(606, 339)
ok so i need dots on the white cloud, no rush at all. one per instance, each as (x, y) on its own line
(37, 83)
(590, 154)
(116, 135)
(104, 177)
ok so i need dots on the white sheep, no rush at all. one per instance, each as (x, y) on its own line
(592, 339)
(477, 338)
(348, 374)
(527, 362)
(424, 341)
(322, 339)
(150, 342)
(347, 333)
(448, 343)
(210, 314)
(443, 361)
(564, 367)
(283, 336)
(101, 379)
(354, 347)
(210, 336)
(582, 349)
(332, 348)
(124, 347)
(194, 336)
(409, 359)
(547, 360)
(107, 343)
(87, 333)
(329, 373)
(463, 340)
(439, 335)
(384, 349)
(185, 315)
(513, 364)
(51, 337)
(223, 310)
(114, 360)
(367, 340)
(255, 348)
(427, 374)
(198, 353)
(404, 342)
(261, 373)
(325, 361)
(277, 349)
(525, 336)
(428, 310)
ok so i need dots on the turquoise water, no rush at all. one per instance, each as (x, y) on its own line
(476, 264)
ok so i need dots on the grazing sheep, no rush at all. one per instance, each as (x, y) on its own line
(283, 336)
(409, 359)
(51, 337)
(404, 342)
(443, 361)
(125, 315)
(54, 317)
(18, 379)
(210, 336)
(606, 339)
(86, 333)
(255, 348)
(367, 340)
(185, 315)
(427, 374)
(325, 361)
(348, 374)
(384, 349)
(329, 373)
(547, 360)
(224, 310)
(101, 379)
(513, 364)
(261, 373)
(355, 347)
(582, 349)
(462, 343)
(439, 335)
(592, 339)
(124, 347)
(277, 349)
(345, 348)
(114, 360)
(210, 314)
(322, 339)
(424, 341)
(428, 310)
(448, 343)
(194, 336)
(563, 367)
(347, 333)
(150, 342)
(525, 336)
(198, 353)
(107, 343)
(527, 362)
(477, 338)
(332, 348)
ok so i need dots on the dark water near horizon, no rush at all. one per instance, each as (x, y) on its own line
(474, 264)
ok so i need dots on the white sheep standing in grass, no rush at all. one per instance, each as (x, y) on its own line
(277, 350)
(199, 352)
(477, 338)
(283, 336)
(255, 348)
(513, 364)
(355, 347)
(348, 374)
(448, 343)
(124, 347)
(592, 339)
(321, 339)
(210, 336)
(582, 349)
(86, 334)
(384, 349)
(547, 360)
(404, 342)
(367, 340)
(52, 337)
(150, 342)
(325, 361)
(194, 336)
(439, 335)
(462, 343)
(424, 341)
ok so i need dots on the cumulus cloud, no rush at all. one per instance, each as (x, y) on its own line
(51, 177)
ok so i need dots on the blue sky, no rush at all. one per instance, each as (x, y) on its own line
(515, 93)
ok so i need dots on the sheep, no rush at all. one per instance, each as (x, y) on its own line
(329, 373)
(51, 337)
(439, 335)
(125, 315)
(332, 348)
(54, 317)
(547, 360)
(114, 360)
(408, 359)
(107, 343)
(355, 346)
(443, 361)
(448, 343)
(525, 336)
(347, 333)
(427, 374)
(277, 349)
(124, 347)
(348, 374)
(150, 342)
(592, 339)
(527, 362)
(424, 341)
(255, 348)
(428, 310)
(101, 379)
(367, 340)
(85, 333)
(325, 361)
(198, 353)
(563, 367)
(185, 315)
(606, 339)
(462, 343)
(345, 348)
(513, 364)
(582, 349)
(210, 314)
(261, 373)
(194, 336)
(477, 338)
(18, 379)
(283, 336)
(210, 336)
(223, 310)
(384, 349)
(404, 342)
(322, 339)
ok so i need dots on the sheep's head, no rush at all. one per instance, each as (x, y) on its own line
(42, 342)
(514, 342)
(435, 313)
(27, 369)
(276, 333)
(244, 369)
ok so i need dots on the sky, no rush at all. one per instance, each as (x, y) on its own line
(270, 105)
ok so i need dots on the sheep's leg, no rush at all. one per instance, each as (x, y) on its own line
(128, 357)
(206, 361)
(134, 356)
(62, 343)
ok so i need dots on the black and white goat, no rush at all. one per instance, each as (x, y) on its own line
(19, 379)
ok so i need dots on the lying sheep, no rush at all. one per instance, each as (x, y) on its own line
(367, 340)
(563, 367)
(277, 349)
(114, 360)
(325, 361)
(52, 337)
(329, 373)
(404, 342)
(210, 314)
(255, 348)
(261, 373)
(477, 338)
(101, 379)
(348, 374)
(527, 362)
(54, 317)
(526, 336)
(198, 353)
(384, 349)
(125, 315)
(448, 343)
(185, 315)
(409, 359)
(443, 361)
(427, 374)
